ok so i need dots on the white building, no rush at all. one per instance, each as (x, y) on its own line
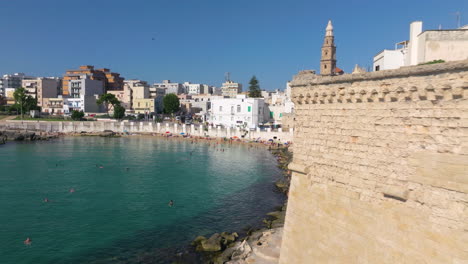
(391, 59)
(425, 46)
(279, 104)
(237, 112)
(175, 88)
(83, 96)
(199, 105)
(193, 88)
(12, 81)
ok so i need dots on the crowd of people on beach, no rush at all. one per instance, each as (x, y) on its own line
(271, 143)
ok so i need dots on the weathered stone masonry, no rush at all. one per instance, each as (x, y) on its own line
(380, 169)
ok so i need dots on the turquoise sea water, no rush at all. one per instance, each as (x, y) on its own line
(119, 213)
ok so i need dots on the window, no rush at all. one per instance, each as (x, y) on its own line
(249, 108)
(220, 108)
(377, 68)
(238, 108)
(272, 114)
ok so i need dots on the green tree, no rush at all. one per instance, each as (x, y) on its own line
(119, 111)
(31, 104)
(171, 103)
(24, 102)
(108, 100)
(77, 115)
(254, 88)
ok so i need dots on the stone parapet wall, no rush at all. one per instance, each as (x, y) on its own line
(380, 168)
(149, 127)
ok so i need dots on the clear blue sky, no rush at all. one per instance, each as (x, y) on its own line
(199, 41)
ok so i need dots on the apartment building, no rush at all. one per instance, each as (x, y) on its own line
(193, 88)
(170, 87)
(231, 89)
(111, 81)
(83, 94)
(145, 106)
(13, 81)
(41, 88)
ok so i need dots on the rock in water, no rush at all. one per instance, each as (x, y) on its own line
(198, 240)
(211, 244)
(228, 238)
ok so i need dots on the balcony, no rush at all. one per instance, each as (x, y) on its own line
(52, 105)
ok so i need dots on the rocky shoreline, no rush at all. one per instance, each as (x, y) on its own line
(21, 135)
(255, 246)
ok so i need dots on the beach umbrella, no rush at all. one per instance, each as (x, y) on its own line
(234, 137)
(167, 132)
(270, 139)
(182, 133)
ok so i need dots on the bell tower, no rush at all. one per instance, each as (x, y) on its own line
(328, 61)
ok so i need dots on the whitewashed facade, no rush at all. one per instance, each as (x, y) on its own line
(425, 46)
(237, 112)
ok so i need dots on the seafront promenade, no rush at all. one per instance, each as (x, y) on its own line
(277, 135)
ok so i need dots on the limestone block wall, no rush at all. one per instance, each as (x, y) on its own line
(380, 168)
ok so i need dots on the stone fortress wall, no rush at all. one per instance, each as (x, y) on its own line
(380, 168)
(149, 127)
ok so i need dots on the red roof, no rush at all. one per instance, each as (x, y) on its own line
(339, 71)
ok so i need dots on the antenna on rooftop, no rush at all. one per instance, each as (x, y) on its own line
(458, 14)
(227, 76)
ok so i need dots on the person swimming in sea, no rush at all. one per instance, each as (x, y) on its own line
(46, 200)
(28, 241)
(72, 190)
(171, 203)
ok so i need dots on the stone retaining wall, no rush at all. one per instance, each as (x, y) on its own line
(380, 168)
(148, 127)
